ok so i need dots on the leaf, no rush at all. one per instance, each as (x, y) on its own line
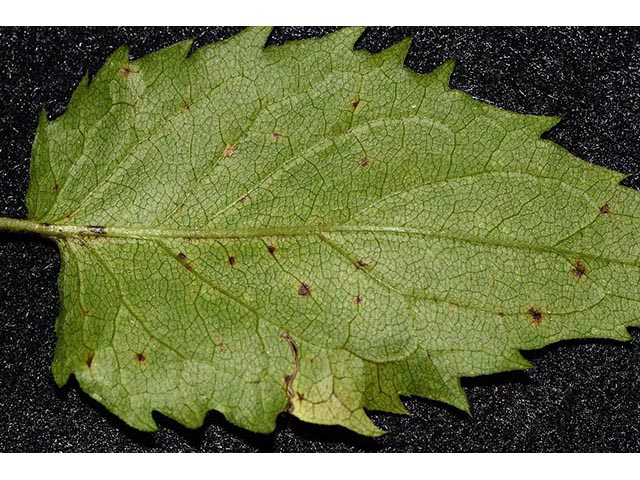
(313, 229)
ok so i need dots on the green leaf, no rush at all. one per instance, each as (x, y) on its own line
(313, 229)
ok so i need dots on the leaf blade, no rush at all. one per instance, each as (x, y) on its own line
(359, 211)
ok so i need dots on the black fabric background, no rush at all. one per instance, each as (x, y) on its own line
(583, 396)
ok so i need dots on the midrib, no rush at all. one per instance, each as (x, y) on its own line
(141, 233)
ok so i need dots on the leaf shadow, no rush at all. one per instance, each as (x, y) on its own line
(142, 439)
(198, 439)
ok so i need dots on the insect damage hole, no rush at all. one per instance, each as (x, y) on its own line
(535, 315)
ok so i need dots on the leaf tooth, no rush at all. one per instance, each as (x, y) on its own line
(80, 93)
(116, 59)
(43, 120)
(349, 36)
(396, 53)
(457, 397)
(252, 37)
(443, 73)
(183, 48)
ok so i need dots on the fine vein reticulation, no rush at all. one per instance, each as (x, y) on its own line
(313, 229)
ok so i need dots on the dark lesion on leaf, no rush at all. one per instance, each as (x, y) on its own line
(140, 357)
(605, 209)
(535, 315)
(579, 270)
(276, 136)
(354, 103)
(56, 186)
(231, 261)
(357, 300)
(127, 71)
(272, 249)
(290, 377)
(364, 163)
(304, 290)
(185, 261)
(362, 265)
(89, 359)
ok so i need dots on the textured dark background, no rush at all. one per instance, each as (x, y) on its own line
(584, 396)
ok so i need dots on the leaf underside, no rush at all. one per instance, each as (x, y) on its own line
(313, 229)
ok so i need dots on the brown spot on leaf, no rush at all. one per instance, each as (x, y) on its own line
(362, 265)
(127, 71)
(579, 270)
(271, 249)
(354, 103)
(364, 162)
(229, 150)
(245, 198)
(186, 106)
(535, 315)
(300, 396)
(304, 290)
(140, 358)
(184, 260)
(357, 300)
(606, 208)
(276, 136)
(289, 378)
(500, 313)
(222, 347)
(56, 187)
(89, 359)
(231, 260)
